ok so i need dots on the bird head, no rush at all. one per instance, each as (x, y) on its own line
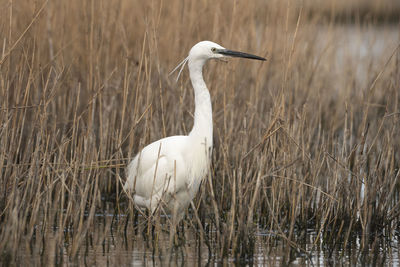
(205, 50)
(208, 50)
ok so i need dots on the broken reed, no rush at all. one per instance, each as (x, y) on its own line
(300, 142)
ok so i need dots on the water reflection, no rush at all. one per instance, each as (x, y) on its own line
(137, 247)
(116, 241)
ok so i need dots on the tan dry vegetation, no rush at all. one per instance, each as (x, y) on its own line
(301, 142)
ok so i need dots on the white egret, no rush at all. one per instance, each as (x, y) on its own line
(168, 172)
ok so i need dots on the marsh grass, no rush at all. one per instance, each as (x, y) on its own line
(307, 140)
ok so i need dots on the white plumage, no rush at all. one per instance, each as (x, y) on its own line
(168, 172)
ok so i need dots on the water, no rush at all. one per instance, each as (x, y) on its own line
(109, 244)
(359, 51)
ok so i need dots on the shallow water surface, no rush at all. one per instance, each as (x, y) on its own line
(112, 242)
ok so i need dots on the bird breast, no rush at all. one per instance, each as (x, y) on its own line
(199, 163)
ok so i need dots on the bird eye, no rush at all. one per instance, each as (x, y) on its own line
(213, 49)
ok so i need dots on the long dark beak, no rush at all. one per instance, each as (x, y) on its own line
(231, 53)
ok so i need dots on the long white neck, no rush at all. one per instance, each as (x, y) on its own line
(203, 125)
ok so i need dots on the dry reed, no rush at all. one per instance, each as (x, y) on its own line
(309, 140)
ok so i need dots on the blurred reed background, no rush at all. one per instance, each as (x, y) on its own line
(307, 141)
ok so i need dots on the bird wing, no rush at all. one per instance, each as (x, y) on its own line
(158, 169)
